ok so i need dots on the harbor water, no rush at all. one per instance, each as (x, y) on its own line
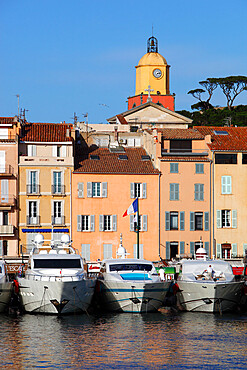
(181, 340)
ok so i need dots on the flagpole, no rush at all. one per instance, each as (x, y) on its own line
(138, 228)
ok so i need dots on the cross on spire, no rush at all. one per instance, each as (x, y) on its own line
(149, 91)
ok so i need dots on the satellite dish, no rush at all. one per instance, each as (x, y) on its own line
(65, 239)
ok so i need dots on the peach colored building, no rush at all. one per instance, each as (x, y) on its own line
(9, 129)
(46, 162)
(228, 150)
(182, 157)
(105, 182)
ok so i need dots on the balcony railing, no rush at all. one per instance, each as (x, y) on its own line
(58, 220)
(6, 170)
(9, 138)
(184, 152)
(7, 230)
(7, 200)
(33, 220)
(33, 189)
(58, 189)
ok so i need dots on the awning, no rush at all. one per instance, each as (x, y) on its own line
(45, 230)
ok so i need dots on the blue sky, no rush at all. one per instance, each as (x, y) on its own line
(66, 56)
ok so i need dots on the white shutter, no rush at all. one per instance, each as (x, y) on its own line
(218, 219)
(4, 190)
(64, 151)
(234, 218)
(85, 251)
(1, 218)
(234, 250)
(228, 184)
(132, 190)
(223, 184)
(89, 190)
(131, 222)
(79, 222)
(80, 188)
(54, 150)
(141, 256)
(107, 250)
(218, 251)
(2, 161)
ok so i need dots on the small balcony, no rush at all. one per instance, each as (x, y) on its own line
(6, 170)
(58, 189)
(58, 220)
(7, 230)
(33, 189)
(7, 201)
(33, 220)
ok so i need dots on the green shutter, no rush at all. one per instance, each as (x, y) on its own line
(181, 248)
(182, 221)
(218, 218)
(206, 221)
(206, 245)
(192, 221)
(234, 218)
(192, 248)
(167, 221)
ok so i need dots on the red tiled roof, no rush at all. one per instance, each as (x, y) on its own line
(109, 162)
(121, 119)
(180, 133)
(7, 120)
(46, 132)
(235, 140)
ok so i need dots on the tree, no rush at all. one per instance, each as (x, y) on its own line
(203, 104)
(231, 86)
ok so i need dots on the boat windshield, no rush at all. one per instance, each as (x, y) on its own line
(57, 263)
(130, 267)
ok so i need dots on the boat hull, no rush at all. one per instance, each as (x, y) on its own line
(5, 295)
(209, 296)
(134, 296)
(56, 297)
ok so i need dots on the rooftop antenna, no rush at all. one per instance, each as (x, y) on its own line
(18, 99)
(86, 116)
(75, 118)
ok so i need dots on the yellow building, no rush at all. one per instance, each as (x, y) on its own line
(45, 166)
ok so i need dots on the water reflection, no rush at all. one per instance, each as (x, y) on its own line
(155, 341)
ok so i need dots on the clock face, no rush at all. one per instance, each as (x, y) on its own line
(157, 73)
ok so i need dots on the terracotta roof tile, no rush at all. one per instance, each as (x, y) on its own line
(7, 120)
(121, 119)
(235, 140)
(46, 132)
(180, 133)
(109, 162)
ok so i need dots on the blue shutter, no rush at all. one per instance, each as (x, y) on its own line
(206, 245)
(192, 248)
(89, 190)
(181, 248)
(144, 223)
(104, 189)
(79, 223)
(92, 223)
(167, 250)
(167, 220)
(182, 221)
(144, 190)
(192, 221)
(206, 221)
(114, 222)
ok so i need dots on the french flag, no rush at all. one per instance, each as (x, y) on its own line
(132, 208)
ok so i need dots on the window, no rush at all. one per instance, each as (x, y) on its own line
(80, 189)
(174, 191)
(226, 218)
(199, 191)
(57, 218)
(173, 220)
(97, 189)
(244, 158)
(5, 217)
(173, 249)
(145, 267)
(85, 223)
(4, 191)
(198, 221)
(32, 187)
(226, 185)
(199, 168)
(59, 151)
(107, 250)
(226, 158)
(108, 223)
(32, 218)
(142, 223)
(57, 187)
(173, 167)
(180, 146)
(138, 190)
(31, 150)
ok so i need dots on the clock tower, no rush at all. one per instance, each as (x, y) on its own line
(152, 75)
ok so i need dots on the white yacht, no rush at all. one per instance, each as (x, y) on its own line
(131, 285)
(55, 281)
(208, 286)
(5, 287)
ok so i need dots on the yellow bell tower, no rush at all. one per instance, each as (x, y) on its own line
(152, 76)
